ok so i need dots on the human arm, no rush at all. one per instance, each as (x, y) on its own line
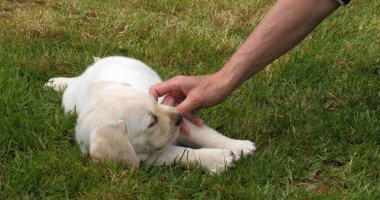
(282, 28)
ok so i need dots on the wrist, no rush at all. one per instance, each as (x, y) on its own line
(228, 80)
(239, 68)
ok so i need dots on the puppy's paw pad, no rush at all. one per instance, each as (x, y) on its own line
(218, 160)
(58, 84)
(242, 147)
(50, 83)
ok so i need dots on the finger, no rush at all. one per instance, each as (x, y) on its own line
(158, 90)
(185, 107)
(153, 92)
(169, 100)
(161, 89)
(194, 119)
(184, 128)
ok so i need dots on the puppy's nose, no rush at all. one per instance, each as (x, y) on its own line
(178, 119)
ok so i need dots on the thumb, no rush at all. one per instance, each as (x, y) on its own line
(153, 92)
(159, 90)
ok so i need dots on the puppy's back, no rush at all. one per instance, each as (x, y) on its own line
(115, 69)
(123, 70)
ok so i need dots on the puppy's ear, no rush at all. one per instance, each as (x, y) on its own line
(110, 142)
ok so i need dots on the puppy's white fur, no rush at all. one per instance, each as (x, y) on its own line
(118, 120)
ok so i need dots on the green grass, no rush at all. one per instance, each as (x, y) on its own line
(314, 113)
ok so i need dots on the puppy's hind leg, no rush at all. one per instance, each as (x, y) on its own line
(59, 83)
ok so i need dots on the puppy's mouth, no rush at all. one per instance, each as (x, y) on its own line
(174, 134)
(171, 138)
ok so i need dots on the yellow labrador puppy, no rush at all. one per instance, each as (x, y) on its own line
(118, 120)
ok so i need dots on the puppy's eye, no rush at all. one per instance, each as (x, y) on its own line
(154, 121)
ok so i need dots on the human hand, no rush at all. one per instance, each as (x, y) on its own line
(170, 101)
(188, 93)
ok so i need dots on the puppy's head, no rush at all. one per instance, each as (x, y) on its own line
(149, 126)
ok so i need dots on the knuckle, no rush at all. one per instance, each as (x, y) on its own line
(196, 97)
(178, 78)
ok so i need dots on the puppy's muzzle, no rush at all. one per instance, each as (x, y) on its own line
(178, 119)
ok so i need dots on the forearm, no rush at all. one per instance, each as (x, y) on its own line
(283, 27)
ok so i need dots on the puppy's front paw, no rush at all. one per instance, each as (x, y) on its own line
(216, 160)
(242, 147)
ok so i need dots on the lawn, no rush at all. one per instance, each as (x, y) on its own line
(314, 113)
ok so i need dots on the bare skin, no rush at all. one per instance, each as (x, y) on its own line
(286, 24)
